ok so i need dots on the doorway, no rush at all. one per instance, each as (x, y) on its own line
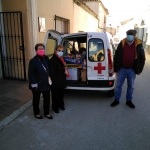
(12, 46)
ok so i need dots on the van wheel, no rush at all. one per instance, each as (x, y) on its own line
(111, 93)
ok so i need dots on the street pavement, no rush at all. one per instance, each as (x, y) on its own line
(89, 123)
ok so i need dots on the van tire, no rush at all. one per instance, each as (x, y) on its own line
(111, 93)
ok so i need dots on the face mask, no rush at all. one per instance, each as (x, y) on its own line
(130, 38)
(60, 53)
(40, 52)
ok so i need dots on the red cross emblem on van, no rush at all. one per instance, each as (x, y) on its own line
(99, 68)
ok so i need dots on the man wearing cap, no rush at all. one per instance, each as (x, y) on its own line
(129, 60)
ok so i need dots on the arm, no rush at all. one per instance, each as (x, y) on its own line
(32, 74)
(53, 72)
(141, 58)
(116, 57)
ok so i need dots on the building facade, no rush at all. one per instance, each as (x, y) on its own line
(25, 22)
(98, 7)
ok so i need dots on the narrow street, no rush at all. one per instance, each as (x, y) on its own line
(80, 37)
(89, 123)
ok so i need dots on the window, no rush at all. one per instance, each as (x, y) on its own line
(74, 45)
(96, 50)
(50, 47)
(71, 46)
(62, 25)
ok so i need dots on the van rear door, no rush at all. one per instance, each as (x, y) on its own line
(97, 59)
(52, 39)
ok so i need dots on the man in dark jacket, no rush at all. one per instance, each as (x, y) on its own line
(58, 73)
(129, 60)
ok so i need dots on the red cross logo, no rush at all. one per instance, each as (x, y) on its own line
(99, 68)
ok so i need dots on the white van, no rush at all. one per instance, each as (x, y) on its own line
(89, 59)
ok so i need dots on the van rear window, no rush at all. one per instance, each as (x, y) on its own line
(50, 47)
(95, 50)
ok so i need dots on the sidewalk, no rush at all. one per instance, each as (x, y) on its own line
(13, 95)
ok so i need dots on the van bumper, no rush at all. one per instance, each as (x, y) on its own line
(95, 88)
(91, 88)
(97, 85)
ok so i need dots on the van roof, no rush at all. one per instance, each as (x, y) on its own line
(79, 33)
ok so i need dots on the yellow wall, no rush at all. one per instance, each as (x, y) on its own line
(49, 8)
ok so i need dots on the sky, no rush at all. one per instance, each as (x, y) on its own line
(121, 10)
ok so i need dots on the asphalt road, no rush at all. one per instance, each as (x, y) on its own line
(89, 123)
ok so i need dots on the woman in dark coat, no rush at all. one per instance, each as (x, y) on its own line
(58, 73)
(38, 74)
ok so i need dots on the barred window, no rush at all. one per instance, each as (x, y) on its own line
(62, 25)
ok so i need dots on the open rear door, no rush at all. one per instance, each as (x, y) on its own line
(52, 39)
(97, 59)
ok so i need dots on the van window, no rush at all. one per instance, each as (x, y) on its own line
(96, 50)
(50, 47)
(70, 46)
(74, 45)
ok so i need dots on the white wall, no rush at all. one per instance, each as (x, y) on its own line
(124, 28)
(94, 6)
(102, 25)
(99, 10)
(148, 25)
(83, 21)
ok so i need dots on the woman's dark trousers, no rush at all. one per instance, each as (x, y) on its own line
(36, 101)
(57, 98)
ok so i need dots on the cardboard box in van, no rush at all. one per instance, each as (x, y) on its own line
(83, 75)
(74, 75)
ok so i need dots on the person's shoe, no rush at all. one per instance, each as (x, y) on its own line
(115, 103)
(130, 104)
(62, 108)
(48, 116)
(38, 117)
(56, 111)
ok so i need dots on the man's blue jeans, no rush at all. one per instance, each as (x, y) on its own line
(121, 75)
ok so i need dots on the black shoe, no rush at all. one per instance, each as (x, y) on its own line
(115, 103)
(62, 108)
(56, 111)
(130, 104)
(48, 116)
(38, 117)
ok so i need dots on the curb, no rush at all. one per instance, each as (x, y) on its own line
(14, 115)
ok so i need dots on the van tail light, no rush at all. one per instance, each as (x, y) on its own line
(111, 83)
(110, 63)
